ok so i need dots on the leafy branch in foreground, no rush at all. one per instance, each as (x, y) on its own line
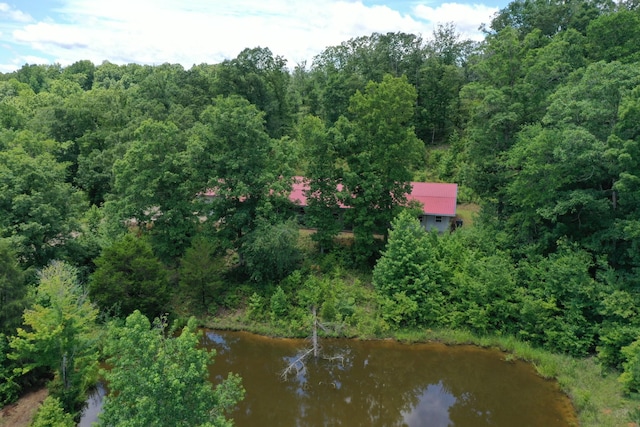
(159, 379)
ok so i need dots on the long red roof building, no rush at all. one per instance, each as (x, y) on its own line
(436, 198)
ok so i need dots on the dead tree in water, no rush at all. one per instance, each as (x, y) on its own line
(298, 365)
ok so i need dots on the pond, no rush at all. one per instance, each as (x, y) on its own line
(382, 383)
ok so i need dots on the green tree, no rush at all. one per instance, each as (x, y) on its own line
(560, 301)
(39, 211)
(129, 277)
(9, 378)
(323, 203)
(408, 272)
(566, 175)
(158, 90)
(201, 273)
(623, 159)
(547, 64)
(271, 251)
(279, 304)
(438, 109)
(439, 80)
(51, 413)
(495, 112)
(81, 72)
(340, 71)
(553, 190)
(37, 76)
(113, 126)
(483, 294)
(16, 101)
(59, 334)
(157, 378)
(151, 186)
(615, 37)
(13, 289)
(550, 17)
(231, 155)
(630, 377)
(379, 149)
(262, 79)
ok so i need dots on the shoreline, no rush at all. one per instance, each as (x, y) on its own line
(597, 397)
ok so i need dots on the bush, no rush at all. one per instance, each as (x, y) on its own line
(271, 252)
(400, 310)
(9, 388)
(255, 307)
(630, 377)
(612, 339)
(279, 304)
(52, 414)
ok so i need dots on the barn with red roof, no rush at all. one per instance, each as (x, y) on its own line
(438, 201)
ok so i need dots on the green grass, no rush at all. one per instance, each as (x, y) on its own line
(467, 212)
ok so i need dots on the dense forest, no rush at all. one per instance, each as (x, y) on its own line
(103, 169)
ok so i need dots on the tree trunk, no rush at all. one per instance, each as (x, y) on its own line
(314, 337)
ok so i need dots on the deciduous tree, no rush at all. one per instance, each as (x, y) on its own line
(271, 251)
(13, 289)
(158, 379)
(152, 186)
(231, 155)
(201, 273)
(379, 149)
(323, 210)
(408, 272)
(59, 334)
(39, 210)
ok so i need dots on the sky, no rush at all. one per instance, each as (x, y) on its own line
(192, 32)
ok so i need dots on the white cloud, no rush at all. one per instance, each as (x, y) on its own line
(8, 12)
(19, 60)
(197, 31)
(467, 17)
(7, 68)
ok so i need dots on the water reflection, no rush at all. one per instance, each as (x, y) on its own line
(433, 405)
(94, 406)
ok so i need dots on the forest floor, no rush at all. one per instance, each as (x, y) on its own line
(21, 413)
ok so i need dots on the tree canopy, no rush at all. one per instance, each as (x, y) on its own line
(156, 379)
(167, 187)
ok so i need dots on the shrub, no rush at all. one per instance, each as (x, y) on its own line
(52, 414)
(271, 251)
(8, 386)
(279, 304)
(630, 377)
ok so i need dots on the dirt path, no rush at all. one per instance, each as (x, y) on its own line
(21, 413)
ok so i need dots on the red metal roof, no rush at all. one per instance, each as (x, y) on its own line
(298, 189)
(435, 198)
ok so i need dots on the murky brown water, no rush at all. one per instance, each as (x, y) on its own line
(384, 383)
(381, 383)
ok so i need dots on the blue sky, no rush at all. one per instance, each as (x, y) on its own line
(208, 31)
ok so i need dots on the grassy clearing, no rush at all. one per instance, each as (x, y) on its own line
(467, 212)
